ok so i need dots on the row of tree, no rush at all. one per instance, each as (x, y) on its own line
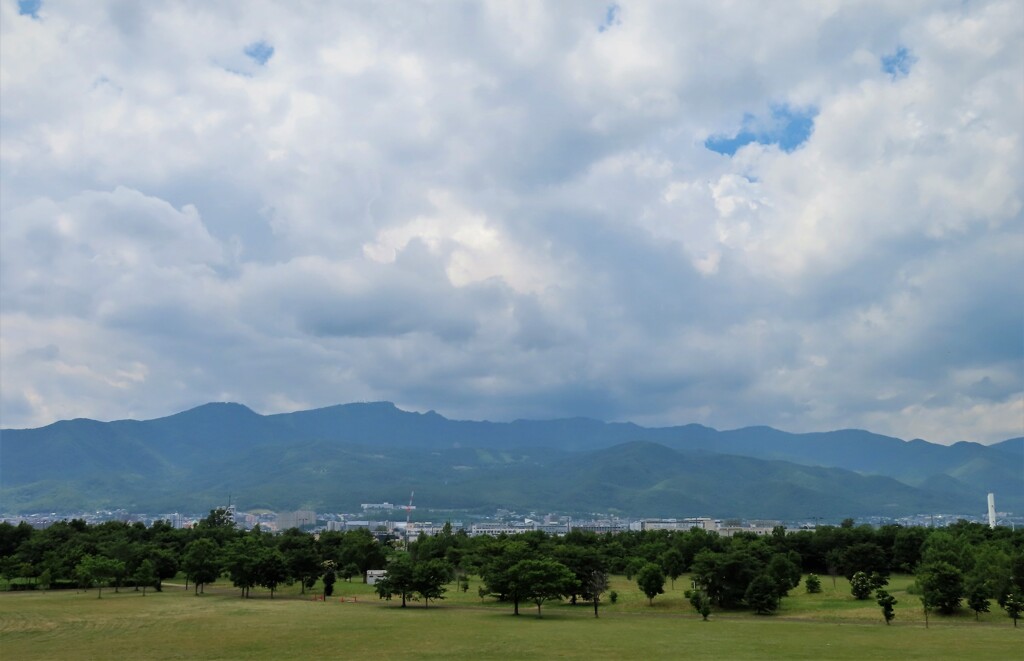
(73, 554)
(963, 561)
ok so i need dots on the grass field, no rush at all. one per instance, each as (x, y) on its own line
(175, 624)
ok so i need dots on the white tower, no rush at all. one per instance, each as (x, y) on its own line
(991, 510)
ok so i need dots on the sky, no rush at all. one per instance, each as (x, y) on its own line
(804, 215)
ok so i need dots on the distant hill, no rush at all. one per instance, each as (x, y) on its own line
(340, 456)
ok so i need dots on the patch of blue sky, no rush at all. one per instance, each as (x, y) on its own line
(786, 127)
(611, 18)
(899, 63)
(30, 7)
(259, 51)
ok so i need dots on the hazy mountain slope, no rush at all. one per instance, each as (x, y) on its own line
(637, 478)
(360, 452)
(1011, 446)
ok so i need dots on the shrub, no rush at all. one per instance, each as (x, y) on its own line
(860, 585)
(813, 584)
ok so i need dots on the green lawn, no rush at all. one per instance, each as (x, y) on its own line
(175, 624)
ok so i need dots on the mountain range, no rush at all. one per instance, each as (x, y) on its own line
(334, 458)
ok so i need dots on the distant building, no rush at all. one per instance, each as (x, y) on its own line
(677, 524)
(385, 506)
(600, 527)
(553, 528)
(497, 529)
(759, 530)
(297, 519)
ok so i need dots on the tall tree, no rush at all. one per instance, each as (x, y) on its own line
(784, 572)
(399, 579)
(145, 575)
(166, 564)
(99, 570)
(762, 595)
(978, 593)
(301, 556)
(833, 564)
(726, 576)
(498, 575)
(886, 601)
(651, 581)
(596, 585)
(582, 561)
(941, 586)
(867, 557)
(201, 562)
(271, 570)
(543, 579)
(429, 578)
(674, 564)
(242, 559)
(362, 549)
(330, 577)
(1013, 604)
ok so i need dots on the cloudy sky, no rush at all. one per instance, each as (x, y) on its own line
(805, 215)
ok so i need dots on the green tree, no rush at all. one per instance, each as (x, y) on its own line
(878, 580)
(218, 526)
(362, 549)
(596, 585)
(201, 562)
(993, 567)
(429, 578)
(301, 556)
(812, 584)
(1013, 605)
(726, 576)
(906, 548)
(349, 570)
(941, 586)
(700, 602)
(834, 563)
(242, 559)
(46, 579)
(943, 546)
(330, 578)
(582, 561)
(166, 563)
(651, 581)
(399, 579)
(98, 570)
(674, 564)
(860, 585)
(271, 570)
(762, 595)
(978, 593)
(633, 567)
(867, 557)
(543, 579)
(145, 575)
(784, 572)
(886, 601)
(498, 575)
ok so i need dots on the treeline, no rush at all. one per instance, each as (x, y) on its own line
(965, 564)
(73, 554)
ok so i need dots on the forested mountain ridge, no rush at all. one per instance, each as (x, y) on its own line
(341, 455)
